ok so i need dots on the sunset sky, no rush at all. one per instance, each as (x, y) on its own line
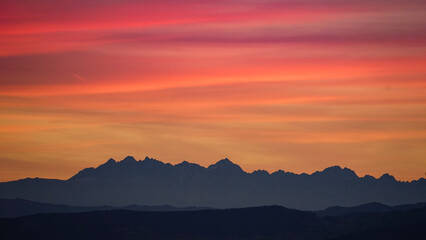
(298, 85)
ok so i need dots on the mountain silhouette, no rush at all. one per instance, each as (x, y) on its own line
(220, 185)
(225, 166)
(367, 208)
(11, 208)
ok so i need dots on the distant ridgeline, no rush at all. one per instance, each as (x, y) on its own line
(221, 185)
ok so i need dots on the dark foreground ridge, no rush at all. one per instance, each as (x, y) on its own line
(271, 222)
(221, 185)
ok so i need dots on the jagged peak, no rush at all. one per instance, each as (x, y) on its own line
(278, 172)
(337, 171)
(225, 164)
(151, 162)
(148, 159)
(420, 180)
(220, 162)
(260, 172)
(186, 163)
(335, 168)
(128, 159)
(83, 173)
(387, 177)
(110, 162)
(225, 160)
(369, 177)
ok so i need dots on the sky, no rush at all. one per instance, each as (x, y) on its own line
(297, 85)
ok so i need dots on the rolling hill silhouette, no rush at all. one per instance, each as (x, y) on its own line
(221, 185)
(367, 208)
(10, 208)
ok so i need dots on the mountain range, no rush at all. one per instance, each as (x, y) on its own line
(221, 185)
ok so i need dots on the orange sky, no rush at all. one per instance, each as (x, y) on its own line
(297, 85)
